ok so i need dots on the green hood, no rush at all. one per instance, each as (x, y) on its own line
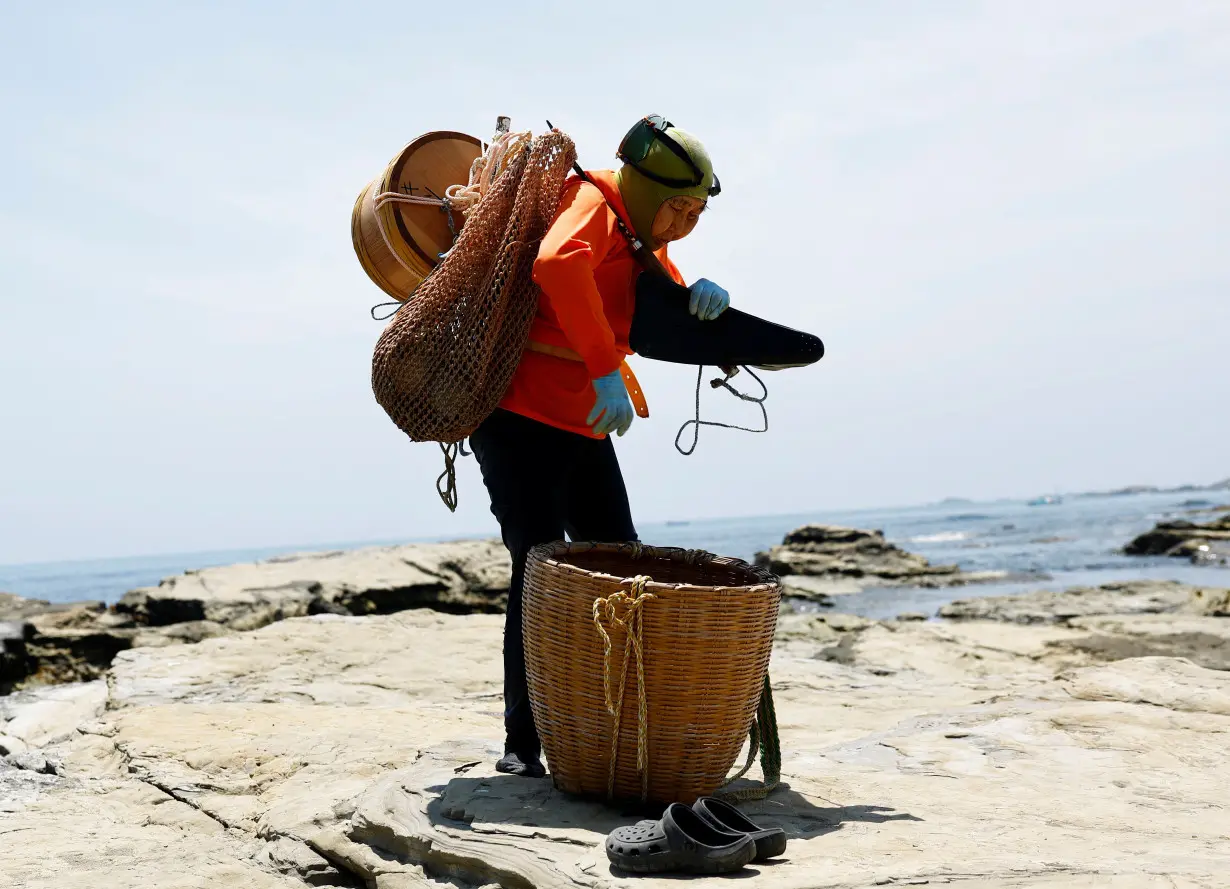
(642, 196)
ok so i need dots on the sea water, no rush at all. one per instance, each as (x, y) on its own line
(1075, 542)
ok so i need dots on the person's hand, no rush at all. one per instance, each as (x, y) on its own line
(613, 408)
(708, 300)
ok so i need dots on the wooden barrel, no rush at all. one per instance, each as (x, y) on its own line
(398, 244)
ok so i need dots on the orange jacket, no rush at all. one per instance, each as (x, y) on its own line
(587, 275)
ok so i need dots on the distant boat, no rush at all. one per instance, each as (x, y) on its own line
(1048, 500)
(676, 523)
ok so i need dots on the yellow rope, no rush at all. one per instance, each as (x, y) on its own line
(625, 609)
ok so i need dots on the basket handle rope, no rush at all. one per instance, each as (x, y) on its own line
(624, 609)
(763, 737)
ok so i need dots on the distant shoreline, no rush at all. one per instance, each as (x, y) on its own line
(252, 553)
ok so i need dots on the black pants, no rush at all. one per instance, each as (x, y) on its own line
(544, 482)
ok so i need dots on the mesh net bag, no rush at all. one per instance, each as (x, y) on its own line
(446, 358)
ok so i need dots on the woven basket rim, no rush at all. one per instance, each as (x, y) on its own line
(549, 553)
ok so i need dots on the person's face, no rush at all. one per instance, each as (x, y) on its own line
(676, 218)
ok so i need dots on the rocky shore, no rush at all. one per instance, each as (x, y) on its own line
(42, 643)
(1202, 543)
(1050, 739)
(817, 562)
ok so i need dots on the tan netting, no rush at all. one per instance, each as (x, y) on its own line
(446, 358)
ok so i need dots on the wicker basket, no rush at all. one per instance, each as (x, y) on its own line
(706, 630)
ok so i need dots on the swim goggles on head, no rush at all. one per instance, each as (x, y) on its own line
(635, 148)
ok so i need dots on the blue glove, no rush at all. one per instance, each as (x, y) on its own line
(613, 410)
(708, 300)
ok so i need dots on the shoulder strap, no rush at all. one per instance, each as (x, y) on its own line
(648, 261)
(643, 254)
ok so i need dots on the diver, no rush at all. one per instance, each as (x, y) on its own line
(545, 454)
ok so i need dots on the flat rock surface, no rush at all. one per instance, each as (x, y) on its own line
(129, 835)
(459, 577)
(1120, 620)
(40, 717)
(354, 751)
(41, 643)
(1045, 606)
(1205, 641)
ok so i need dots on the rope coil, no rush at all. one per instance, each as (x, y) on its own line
(625, 610)
(696, 422)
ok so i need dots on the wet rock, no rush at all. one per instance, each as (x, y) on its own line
(1202, 551)
(1210, 510)
(819, 561)
(819, 550)
(1202, 543)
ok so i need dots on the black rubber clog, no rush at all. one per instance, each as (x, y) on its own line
(770, 842)
(681, 842)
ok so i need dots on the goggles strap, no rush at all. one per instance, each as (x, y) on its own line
(674, 147)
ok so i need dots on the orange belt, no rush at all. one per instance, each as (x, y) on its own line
(630, 381)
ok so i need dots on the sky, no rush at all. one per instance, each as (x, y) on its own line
(1009, 222)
